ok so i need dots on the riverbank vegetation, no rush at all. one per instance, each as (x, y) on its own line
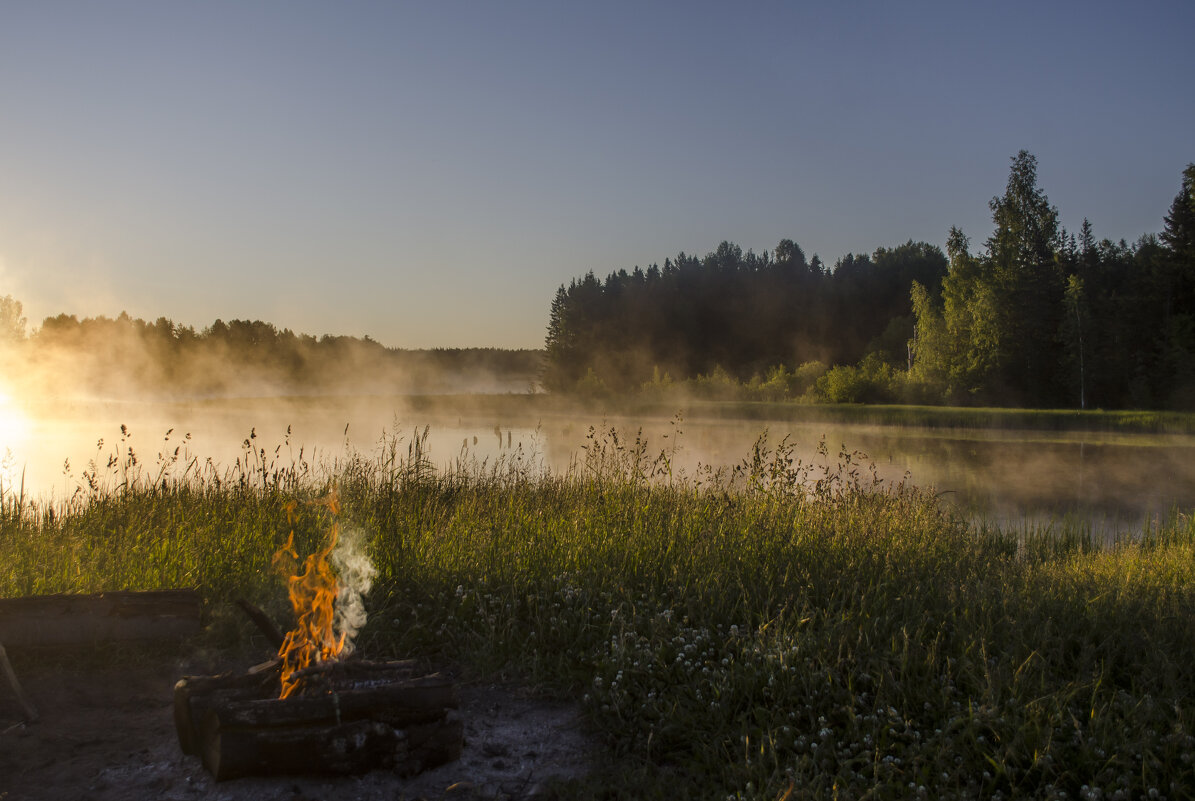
(1038, 318)
(729, 634)
(126, 357)
(737, 404)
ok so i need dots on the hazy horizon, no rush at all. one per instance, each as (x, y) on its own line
(429, 174)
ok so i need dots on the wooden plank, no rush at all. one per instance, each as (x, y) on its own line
(10, 674)
(109, 616)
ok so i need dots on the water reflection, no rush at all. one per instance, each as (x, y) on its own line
(1113, 481)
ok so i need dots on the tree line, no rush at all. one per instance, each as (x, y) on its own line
(124, 356)
(734, 312)
(1039, 317)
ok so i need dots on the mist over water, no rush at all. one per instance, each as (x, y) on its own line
(1114, 481)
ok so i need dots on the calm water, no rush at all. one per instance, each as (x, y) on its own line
(1115, 481)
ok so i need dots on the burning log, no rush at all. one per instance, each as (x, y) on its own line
(348, 717)
(107, 616)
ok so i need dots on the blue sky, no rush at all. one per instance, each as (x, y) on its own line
(429, 173)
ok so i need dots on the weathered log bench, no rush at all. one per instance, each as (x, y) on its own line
(66, 620)
(102, 617)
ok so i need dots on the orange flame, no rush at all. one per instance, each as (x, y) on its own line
(312, 595)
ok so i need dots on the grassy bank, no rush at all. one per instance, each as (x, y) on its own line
(935, 416)
(728, 635)
(529, 407)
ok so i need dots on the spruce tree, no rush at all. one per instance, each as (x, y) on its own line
(1029, 284)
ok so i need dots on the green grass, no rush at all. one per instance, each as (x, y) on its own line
(728, 634)
(531, 408)
(953, 417)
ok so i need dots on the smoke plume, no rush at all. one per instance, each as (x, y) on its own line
(356, 572)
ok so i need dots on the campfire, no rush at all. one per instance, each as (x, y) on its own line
(313, 594)
(313, 709)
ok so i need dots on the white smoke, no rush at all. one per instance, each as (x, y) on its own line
(356, 573)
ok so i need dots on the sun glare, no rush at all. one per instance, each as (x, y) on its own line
(14, 425)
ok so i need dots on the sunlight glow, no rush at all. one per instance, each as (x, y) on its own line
(14, 424)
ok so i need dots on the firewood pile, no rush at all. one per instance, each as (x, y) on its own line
(348, 717)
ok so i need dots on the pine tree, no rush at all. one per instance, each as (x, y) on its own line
(1179, 231)
(1029, 284)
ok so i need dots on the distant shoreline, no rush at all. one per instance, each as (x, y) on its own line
(529, 404)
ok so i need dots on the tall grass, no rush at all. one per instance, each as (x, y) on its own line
(729, 633)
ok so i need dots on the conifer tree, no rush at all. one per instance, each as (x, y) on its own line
(1029, 285)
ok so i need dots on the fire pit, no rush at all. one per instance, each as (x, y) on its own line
(347, 717)
(312, 709)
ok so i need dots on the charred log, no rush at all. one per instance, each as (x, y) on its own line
(263, 622)
(354, 747)
(195, 695)
(413, 701)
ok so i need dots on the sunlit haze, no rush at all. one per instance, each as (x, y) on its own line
(14, 429)
(429, 173)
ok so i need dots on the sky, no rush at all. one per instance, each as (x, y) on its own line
(428, 173)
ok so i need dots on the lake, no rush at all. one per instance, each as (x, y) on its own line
(1115, 481)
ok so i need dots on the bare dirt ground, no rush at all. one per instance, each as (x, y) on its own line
(107, 733)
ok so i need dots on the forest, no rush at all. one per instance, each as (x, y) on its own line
(1039, 317)
(126, 356)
